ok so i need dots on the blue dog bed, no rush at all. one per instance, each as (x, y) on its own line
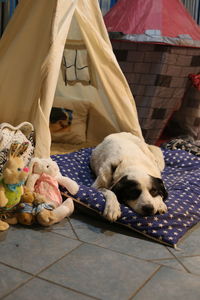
(182, 180)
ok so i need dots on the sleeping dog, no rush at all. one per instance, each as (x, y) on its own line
(129, 171)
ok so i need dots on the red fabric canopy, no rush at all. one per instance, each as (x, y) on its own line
(136, 16)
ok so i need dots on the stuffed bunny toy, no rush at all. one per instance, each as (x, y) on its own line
(44, 179)
(9, 134)
(11, 184)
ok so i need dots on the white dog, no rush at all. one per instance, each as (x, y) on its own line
(129, 171)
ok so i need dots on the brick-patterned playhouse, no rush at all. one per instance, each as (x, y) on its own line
(155, 67)
(157, 76)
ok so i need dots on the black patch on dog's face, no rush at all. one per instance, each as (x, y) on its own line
(158, 188)
(126, 189)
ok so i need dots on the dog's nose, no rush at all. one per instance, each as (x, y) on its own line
(148, 209)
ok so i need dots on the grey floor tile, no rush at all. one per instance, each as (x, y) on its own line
(32, 250)
(43, 290)
(168, 284)
(192, 264)
(125, 241)
(64, 228)
(10, 279)
(100, 272)
(190, 245)
(87, 228)
(134, 246)
(171, 263)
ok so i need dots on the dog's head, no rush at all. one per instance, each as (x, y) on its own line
(143, 193)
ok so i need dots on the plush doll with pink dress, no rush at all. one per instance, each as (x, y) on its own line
(44, 179)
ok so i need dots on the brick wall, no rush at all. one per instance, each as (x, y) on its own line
(157, 76)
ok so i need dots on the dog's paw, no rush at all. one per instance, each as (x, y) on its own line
(112, 209)
(162, 208)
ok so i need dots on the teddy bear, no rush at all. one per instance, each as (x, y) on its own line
(44, 179)
(28, 207)
(13, 177)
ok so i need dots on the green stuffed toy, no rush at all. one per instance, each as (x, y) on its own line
(11, 184)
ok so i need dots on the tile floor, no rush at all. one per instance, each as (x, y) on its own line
(83, 258)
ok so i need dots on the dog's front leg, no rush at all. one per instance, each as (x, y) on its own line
(104, 177)
(112, 209)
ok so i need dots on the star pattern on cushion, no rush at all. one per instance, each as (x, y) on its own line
(182, 180)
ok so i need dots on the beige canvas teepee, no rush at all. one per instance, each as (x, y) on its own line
(32, 80)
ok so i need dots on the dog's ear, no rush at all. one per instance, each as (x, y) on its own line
(159, 186)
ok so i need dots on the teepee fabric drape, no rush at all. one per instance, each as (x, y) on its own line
(31, 51)
(30, 54)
